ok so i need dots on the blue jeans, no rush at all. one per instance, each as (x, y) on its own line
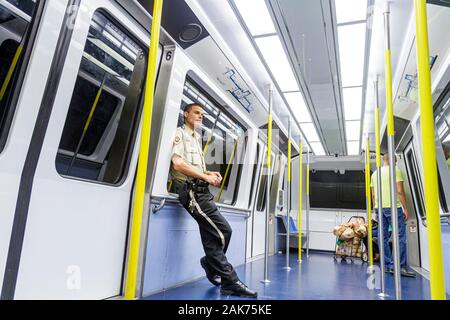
(388, 261)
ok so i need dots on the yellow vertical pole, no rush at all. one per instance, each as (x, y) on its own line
(227, 171)
(300, 200)
(369, 203)
(10, 72)
(138, 206)
(437, 284)
(307, 205)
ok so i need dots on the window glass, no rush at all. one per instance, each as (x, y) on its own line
(261, 201)
(103, 115)
(415, 181)
(15, 23)
(442, 121)
(333, 190)
(255, 170)
(223, 141)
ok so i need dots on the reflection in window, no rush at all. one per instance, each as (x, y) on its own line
(15, 21)
(103, 115)
(442, 120)
(223, 141)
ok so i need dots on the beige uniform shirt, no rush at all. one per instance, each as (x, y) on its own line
(187, 145)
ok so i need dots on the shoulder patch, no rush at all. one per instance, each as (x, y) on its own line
(178, 137)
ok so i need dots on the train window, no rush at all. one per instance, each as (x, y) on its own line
(335, 190)
(255, 169)
(104, 111)
(223, 141)
(442, 120)
(16, 21)
(414, 176)
(261, 201)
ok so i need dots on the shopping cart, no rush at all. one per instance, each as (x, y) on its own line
(352, 248)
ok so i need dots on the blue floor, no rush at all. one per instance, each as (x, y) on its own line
(318, 277)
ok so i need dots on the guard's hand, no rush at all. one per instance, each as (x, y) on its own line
(406, 215)
(212, 179)
(217, 174)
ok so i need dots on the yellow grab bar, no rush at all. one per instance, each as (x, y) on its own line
(10, 72)
(227, 171)
(369, 203)
(136, 223)
(300, 200)
(437, 283)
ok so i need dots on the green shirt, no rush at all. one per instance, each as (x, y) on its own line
(385, 186)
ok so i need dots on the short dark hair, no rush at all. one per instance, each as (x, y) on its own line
(189, 106)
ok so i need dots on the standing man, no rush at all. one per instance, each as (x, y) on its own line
(190, 181)
(402, 215)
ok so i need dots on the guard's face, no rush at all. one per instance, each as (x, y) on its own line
(194, 117)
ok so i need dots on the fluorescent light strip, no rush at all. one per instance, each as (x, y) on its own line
(276, 58)
(298, 106)
(105, 67)
(317, 148)
(352, 129)
(256, 16)
(352, 42)
(112, 53)
(352, 148)
(352, 103)
(350, 10)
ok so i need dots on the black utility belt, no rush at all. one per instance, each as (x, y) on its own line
(197, 185)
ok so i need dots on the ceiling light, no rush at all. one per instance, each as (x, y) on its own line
(256, 16)
(352, 129)
(310, 132)
(275, 57)
(298, 106)
(350, 10)
(317, 148)
(352, 103)
(352, 148)
(352, 42)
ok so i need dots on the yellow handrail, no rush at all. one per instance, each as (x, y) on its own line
(300, 200)
(10, 72)
(133, 257)
(377, 136)
(437, 284)
(86, 125)
(227, 171)
(369, 203)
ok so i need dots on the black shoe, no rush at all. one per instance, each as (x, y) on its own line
(238, 289)
(407, 273)
(213, 278)
(389, 270)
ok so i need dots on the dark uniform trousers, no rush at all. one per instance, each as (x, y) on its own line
(215, 231)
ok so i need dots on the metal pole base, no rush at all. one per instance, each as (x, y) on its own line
(383, 295)
(299, 261)
(265, 281)
(287, 268)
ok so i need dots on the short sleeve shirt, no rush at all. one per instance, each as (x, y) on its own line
(187, 145)
(385, 186)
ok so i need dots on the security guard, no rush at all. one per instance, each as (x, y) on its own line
(190, 180)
